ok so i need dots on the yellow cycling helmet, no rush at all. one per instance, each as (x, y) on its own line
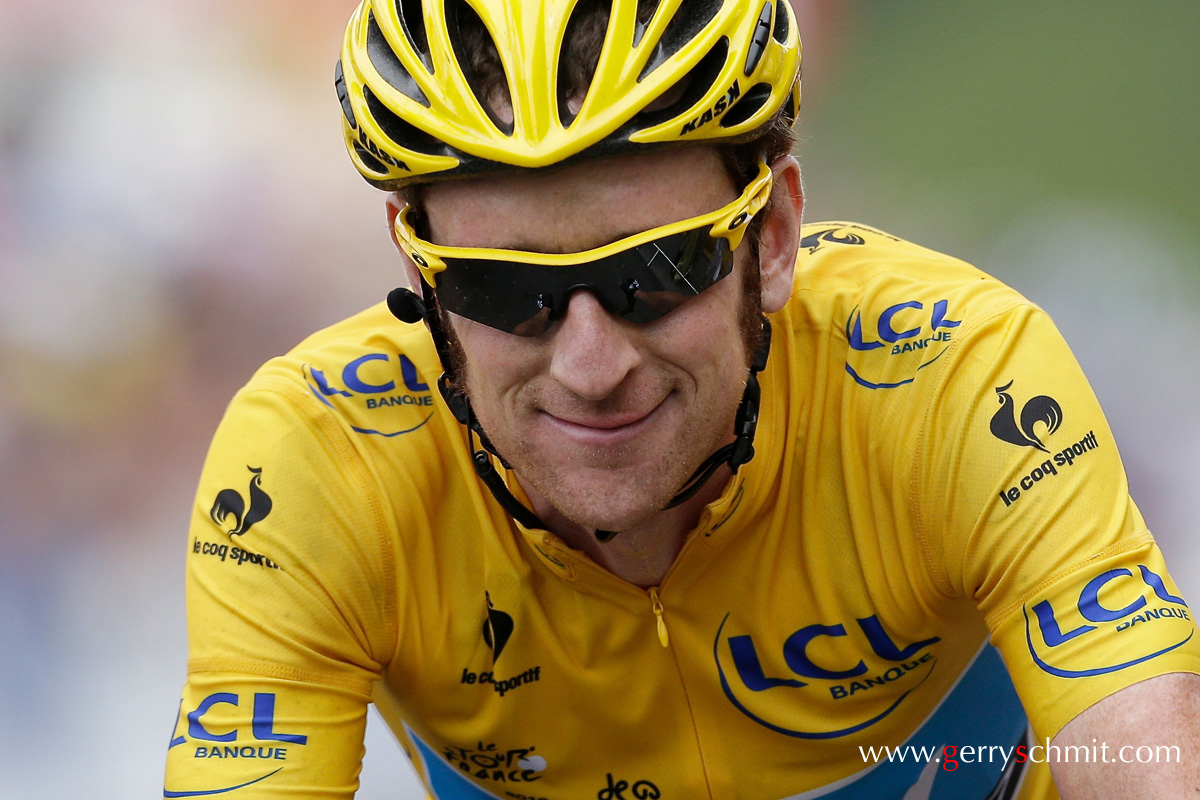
(675, 71)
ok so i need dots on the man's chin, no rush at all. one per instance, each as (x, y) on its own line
(599, 505)
(612, 522)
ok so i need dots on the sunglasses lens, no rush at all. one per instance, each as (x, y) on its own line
(676, 268)
(502, 295)
(640, 284)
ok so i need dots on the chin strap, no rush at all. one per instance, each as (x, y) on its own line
(406, 306)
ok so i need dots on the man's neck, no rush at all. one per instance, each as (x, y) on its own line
(641, 555)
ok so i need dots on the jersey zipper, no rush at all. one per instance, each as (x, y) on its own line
(657, 605)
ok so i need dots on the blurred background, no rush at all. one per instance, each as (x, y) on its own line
(176, 207)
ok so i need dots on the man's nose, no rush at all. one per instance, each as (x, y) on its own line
(593, 350)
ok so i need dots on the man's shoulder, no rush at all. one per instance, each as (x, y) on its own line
(849, 258)
(860, 278)
(370, 373)
(891, 308)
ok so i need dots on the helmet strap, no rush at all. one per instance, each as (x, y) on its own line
(406, 306)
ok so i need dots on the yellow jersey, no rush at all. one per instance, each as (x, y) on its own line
(934, 547)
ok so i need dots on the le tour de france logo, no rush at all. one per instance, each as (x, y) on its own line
(230, 506)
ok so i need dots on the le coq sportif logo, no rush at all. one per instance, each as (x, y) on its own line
(1041, 409)
(231, 506)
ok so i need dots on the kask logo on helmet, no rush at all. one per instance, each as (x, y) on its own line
(723, 104)
(375, 382)
(835, 662)
(379, 153)
(1117, 602)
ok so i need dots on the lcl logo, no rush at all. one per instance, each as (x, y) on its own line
(886, 326)
(370, 380)
(1147, 590)
(905, 327)
(356, 384)
(262, 721)
(891, 662)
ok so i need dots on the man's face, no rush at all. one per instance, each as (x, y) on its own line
(601, 418)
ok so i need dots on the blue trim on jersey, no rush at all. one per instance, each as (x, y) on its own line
(446, 782)
(394, 433)
(864, 382)
(207, 792)
(981, 709)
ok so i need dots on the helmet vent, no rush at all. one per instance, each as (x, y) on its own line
(402, 133)
(582, 42)
(476, 52)
(747, 106)
(646, 11)
(413, 23)
(690, 18)
(690, 88)
(762, 35)
(780, 32)
(388, 65)
(339, 83)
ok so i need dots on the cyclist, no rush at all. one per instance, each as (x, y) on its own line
(650, 491)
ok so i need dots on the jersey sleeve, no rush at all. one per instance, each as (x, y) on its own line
(1026, 508)
(288, 603)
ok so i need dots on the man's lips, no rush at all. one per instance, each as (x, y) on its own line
(603, 429)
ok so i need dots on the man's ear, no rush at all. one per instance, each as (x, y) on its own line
(780, 235)
(395, 204)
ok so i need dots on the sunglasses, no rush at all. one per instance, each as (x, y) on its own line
(639, 278)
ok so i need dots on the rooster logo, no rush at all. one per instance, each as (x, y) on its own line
(496, 628)
(814, 240)
(230, 505)
(1042, 408)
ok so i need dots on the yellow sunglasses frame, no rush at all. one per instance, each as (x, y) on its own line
(727, 222)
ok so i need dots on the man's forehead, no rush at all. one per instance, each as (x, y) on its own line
(579, 206)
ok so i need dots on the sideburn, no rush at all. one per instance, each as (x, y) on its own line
(456, 370)
(750, 313)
